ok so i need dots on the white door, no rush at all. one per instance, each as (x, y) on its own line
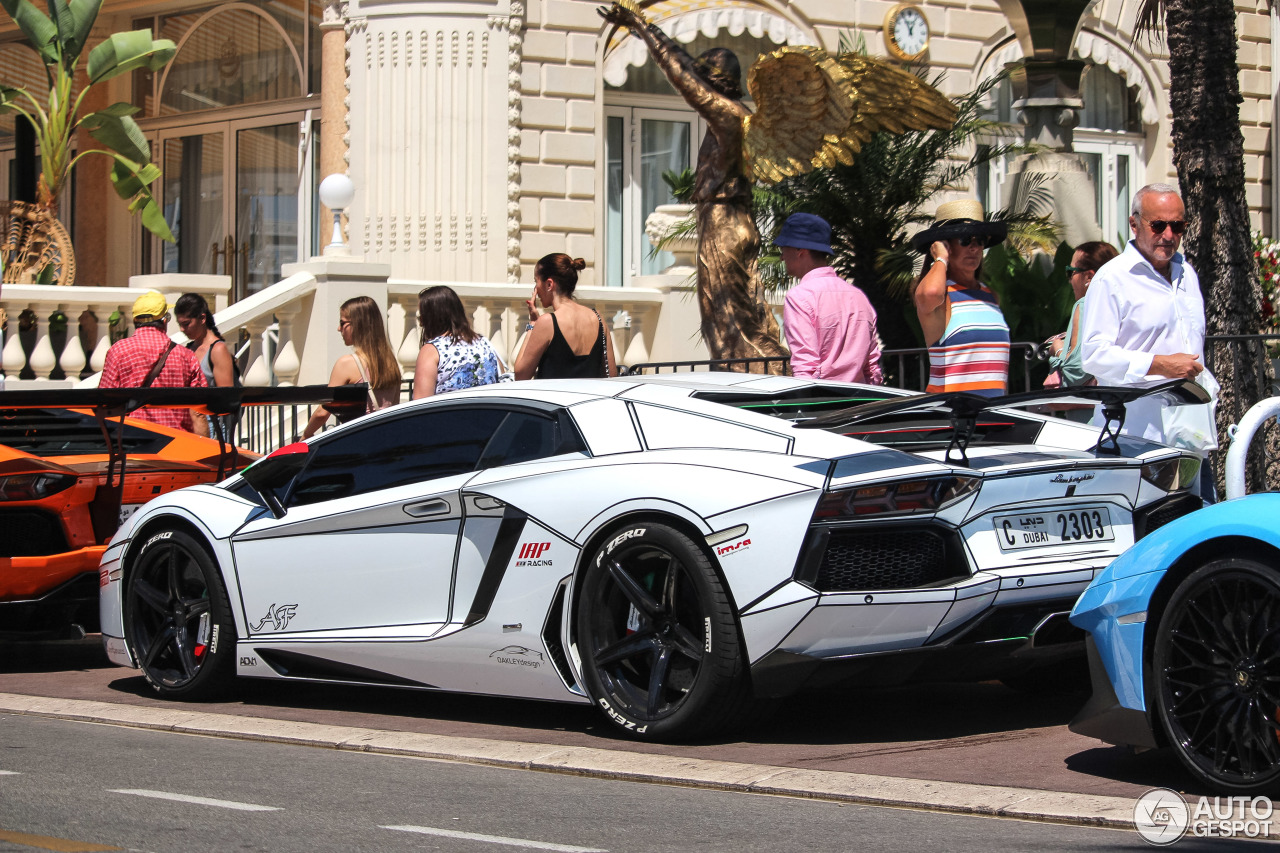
(357, 563)
(370, 533)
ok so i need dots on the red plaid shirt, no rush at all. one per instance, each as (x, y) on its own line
(130, 360)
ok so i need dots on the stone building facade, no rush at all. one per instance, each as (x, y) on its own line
(482, 134)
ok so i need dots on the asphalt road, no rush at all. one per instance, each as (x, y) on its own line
(80, 786)
(969, 733)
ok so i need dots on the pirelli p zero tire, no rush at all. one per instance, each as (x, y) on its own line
(1215, 672)
(177, 618)
(661, 653)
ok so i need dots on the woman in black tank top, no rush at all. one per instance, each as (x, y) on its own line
(547, 352)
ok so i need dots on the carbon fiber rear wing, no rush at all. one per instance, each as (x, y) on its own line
(962, 408)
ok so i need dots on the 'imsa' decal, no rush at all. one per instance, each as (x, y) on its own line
(278, 617)
(733, 547)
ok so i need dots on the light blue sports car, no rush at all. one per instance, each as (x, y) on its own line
(1184, 637)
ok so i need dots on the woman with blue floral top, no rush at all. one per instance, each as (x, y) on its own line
(453, 355)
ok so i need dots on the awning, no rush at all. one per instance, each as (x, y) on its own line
(1097, 48)
(684, 20)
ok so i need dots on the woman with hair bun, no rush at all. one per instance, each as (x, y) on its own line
(570, 341)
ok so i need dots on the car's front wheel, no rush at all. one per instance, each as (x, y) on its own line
(1216, 675)
(661, 652)
(177, 618)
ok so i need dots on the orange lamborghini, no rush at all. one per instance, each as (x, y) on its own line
(73, 467)
(61, 499)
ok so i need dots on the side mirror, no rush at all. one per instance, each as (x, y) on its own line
(275, 471)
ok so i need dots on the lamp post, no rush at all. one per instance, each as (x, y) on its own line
(336, 193)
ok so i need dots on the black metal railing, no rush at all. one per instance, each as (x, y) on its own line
(266, 428)
(902, 368)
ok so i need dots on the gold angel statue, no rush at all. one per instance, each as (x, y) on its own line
(813, 110)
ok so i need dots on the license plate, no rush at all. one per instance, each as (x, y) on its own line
(127, 510)
(1055, 527)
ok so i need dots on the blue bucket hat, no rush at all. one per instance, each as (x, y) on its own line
(805, 231)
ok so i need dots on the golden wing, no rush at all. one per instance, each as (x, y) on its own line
(815, 110)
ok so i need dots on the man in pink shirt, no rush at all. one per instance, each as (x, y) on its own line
(830, 324)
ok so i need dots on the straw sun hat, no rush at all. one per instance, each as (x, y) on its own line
(963, 218)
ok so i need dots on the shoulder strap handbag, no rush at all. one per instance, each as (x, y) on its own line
(604, 345)
(368, 386)
(158, 366)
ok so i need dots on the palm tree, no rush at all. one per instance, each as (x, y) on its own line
(1208, 152)
(59, 39)
(889, 187)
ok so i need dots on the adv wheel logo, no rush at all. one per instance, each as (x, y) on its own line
(1161, 816)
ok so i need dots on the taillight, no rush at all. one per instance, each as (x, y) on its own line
(901, 498)
(1172, 475)
(33, 487)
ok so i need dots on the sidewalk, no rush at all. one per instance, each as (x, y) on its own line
(957, 798)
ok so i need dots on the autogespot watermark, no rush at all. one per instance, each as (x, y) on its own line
(1162, 817)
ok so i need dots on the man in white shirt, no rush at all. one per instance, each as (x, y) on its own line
(1144, 314)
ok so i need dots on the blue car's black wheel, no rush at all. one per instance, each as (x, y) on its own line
(660, 649)
(177, 618)
(1216, 675)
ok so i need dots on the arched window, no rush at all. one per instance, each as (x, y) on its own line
(230, 56)
(1108, 138)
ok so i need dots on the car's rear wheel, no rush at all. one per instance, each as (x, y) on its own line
(177, 618)
(661, 652)
(1216, 675)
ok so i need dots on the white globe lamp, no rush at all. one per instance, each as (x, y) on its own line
(336, 193)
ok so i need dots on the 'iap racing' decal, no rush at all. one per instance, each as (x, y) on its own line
(531, 554)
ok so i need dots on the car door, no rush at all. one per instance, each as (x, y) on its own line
(367, 544)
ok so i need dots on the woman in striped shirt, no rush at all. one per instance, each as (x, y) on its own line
(960, 316)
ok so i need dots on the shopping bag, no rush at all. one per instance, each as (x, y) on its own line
(1194, 427)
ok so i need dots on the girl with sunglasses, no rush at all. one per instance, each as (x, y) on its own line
(963, 326)
(371, 360)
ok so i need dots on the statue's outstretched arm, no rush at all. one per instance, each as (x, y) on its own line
(680, 68)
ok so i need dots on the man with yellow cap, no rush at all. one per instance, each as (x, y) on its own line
(149, 359)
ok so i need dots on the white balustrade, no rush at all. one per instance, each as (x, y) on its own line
(294, 307)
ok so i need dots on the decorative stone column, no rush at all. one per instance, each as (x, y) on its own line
(1046, 91)
(14, 356)
(333, 94)
(42, 359)
(72, 360)
(286, 364)
(99, 355)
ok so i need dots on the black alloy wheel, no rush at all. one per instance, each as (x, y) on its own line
(1216, 667)
(177, 618)
(661, 652)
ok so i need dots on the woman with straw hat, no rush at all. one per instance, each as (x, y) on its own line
(966, 332)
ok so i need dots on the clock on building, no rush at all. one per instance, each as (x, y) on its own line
(906, 32)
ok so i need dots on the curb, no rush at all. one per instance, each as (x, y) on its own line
(836, 786)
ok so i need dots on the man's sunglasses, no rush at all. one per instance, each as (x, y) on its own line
(1157, 226)
(1073, 270)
